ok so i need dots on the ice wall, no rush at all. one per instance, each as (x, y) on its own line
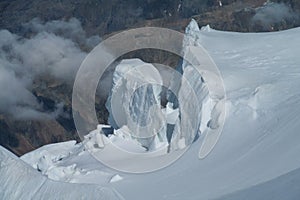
(135, 101)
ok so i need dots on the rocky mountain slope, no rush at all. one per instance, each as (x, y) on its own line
(103, 18)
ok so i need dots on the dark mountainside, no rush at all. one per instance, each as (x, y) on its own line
(103, 18)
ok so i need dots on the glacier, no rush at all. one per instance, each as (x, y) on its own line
(256, 157)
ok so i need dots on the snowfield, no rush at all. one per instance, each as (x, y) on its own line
(256, 157)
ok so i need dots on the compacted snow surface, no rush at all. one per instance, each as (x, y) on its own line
(256, 157)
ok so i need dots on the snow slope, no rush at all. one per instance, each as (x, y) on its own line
(20, 181)
(284, 187)
(257, 156)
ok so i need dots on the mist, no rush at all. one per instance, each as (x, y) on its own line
(272, 13)
(55, 49)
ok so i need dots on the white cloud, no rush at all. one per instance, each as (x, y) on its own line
(272, 13)
(53, 48)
